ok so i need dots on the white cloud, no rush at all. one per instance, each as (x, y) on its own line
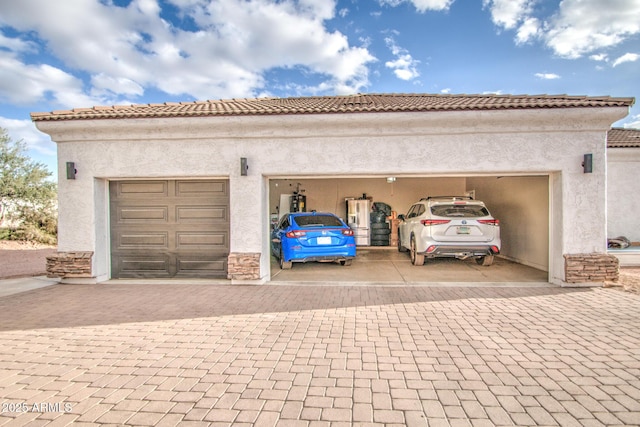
(421, 5)
(404, 66)
(577, 28)
(528, 30)
(24, 84)
(633, 123)
(445, 90)
(508, 13)
(547, 76)
(627, 57)
(600, 57)
(126, 50)
(25, 130)
(584, 26)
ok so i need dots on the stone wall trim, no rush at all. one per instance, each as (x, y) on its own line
(243, 266)
(66, 265)
(591, 268)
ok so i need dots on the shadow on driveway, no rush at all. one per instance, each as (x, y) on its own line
(61, 306)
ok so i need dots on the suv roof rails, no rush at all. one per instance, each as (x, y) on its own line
(448, 197)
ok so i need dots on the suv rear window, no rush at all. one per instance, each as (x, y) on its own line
(459, 211)
(318, 221)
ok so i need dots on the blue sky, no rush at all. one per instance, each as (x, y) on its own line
(57, 55)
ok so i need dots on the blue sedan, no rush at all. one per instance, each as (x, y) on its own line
(312, 236)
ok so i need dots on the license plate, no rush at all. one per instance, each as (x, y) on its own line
(324, 240)
(464, 230)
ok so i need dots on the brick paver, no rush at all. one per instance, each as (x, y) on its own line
(171, 354)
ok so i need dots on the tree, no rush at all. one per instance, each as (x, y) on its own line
(26, 194)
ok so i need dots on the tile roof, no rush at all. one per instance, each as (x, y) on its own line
(334, 104)
(623, 138)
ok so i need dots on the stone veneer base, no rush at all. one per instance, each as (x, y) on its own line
(594, 268)
(69, 265)
(243, 266)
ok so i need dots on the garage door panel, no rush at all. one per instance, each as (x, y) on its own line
(150, 267)
(191, 267)
(146, 240)
(202, 214)
(136, 189)
(210, 188)
(210, 241)
(127, 214)
(169, 228)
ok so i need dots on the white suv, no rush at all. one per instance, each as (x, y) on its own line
(449, 226)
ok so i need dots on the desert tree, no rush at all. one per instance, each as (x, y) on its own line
(27, 195)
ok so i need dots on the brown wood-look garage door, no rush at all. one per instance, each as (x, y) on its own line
(169, 228)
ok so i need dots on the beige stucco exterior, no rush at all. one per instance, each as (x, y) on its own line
(623, 201)
(529, 142)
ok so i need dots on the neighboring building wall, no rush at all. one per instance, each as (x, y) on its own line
(545, 141)
(623, 193)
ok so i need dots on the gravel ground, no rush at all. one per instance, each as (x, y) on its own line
(18, 259)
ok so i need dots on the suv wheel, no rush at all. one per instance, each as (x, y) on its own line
(416, 258)
(485, 261)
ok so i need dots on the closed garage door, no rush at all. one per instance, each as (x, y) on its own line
(169, 228)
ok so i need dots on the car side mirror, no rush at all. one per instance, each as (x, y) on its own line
(401, 217)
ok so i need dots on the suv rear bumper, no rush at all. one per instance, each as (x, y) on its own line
(460, 252)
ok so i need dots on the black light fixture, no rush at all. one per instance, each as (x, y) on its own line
(71, 170)
(244, 167)
(587, 163)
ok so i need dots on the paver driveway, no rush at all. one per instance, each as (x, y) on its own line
(319, 355)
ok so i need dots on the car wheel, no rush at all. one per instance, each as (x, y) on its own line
(485, 261)
(400, 247)
(346, 262)
(285, 265)
(416, 258)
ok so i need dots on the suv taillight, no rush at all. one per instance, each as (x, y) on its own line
(428, 222)
(489, 221)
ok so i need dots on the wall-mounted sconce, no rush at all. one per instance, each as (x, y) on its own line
(71, 170)
(391, 179)
(587, 163)
(244, 167)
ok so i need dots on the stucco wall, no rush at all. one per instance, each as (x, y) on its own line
(415, 144)
(623, 193)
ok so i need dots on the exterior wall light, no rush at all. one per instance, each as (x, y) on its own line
(71, 170)
(244, 167)
(587, 163)
(391, 179)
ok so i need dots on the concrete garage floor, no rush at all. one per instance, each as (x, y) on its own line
(385, 265)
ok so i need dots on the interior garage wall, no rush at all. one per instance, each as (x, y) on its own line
(521, 203)
(328, 194)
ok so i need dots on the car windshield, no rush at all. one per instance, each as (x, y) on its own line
(459, 211)
(317, 221)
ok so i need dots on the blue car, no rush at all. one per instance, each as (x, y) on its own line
(312, 236)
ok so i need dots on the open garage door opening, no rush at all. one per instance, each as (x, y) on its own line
(520, 203)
